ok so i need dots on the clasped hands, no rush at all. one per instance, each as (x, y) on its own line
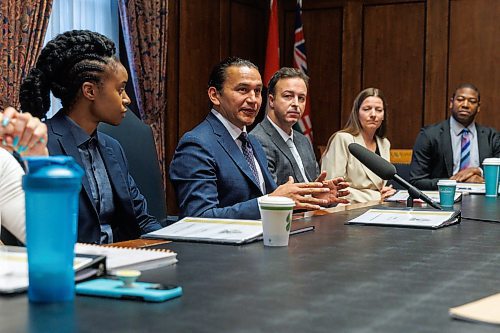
(469, 175)
(315, 194)
(23, 133)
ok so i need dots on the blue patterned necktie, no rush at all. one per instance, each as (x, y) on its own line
(465, 149)
(248, 153)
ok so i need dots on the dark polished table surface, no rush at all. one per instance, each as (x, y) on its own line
(339, 278)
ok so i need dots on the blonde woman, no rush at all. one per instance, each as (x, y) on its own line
(366, 126)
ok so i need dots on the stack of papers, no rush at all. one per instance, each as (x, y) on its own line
(473, 188)
(14, 268)
(402, 195)
(429, 219)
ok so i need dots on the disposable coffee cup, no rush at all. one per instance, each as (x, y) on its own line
(276, 213)
(447, 188)
(491, 176)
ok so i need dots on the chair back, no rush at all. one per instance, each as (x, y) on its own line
(138, 143)
(401, 158)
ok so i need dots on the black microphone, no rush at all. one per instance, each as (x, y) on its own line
(387, 171)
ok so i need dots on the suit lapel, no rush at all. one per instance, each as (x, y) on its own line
(262, 160)
(447, 148)
(482, 144)
(69, 147)
(283, 147)
(302, 145)
(227, 143)
(373, 177)
(116, 177)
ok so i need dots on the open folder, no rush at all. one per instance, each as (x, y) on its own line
(408, 217)
(224, 231)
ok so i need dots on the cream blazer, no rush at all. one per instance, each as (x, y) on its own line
(338, 162)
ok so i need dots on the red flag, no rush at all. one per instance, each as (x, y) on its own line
(300, 62)
(273, 44)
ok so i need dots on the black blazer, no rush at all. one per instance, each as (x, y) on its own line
(131, 218)
(432, 157)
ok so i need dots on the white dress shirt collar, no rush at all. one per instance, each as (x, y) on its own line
(233, 130)
(283, 134)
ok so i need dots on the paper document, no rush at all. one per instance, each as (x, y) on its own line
(14, 268)
(226, 231)
(213, 230)
(401, 196)
(473, 188)
(485, 310)
(432, 219)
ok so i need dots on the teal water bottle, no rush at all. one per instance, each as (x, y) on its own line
(52, 186)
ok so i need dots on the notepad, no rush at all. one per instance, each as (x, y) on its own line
(408, 217)
(485, 310)
(223, 231)
(129, 258)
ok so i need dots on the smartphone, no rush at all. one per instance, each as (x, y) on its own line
(141, 291)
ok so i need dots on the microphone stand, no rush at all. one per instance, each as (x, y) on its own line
(409, 201)
(414, 193)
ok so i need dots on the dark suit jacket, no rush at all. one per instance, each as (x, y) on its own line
(280, 159)
(211, 176)
(433, 155)
(131, 217)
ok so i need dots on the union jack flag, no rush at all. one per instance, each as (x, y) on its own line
(300, 62)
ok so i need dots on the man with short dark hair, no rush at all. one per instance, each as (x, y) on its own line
(454, 148)
(218, 170)
(289, 152)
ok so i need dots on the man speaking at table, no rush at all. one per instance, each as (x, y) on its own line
(218, 170)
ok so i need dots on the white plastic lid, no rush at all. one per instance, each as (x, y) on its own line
(447, 182)
(278, 201)
(491, 161)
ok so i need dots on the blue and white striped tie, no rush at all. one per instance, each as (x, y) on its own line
(465, 149)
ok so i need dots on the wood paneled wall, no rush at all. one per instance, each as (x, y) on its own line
(416, 51)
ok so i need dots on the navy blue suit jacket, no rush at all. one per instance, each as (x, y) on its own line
(131, 217)
(211, 176)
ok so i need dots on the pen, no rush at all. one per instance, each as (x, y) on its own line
(301, 230)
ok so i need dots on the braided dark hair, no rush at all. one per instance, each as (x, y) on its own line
(65, 63)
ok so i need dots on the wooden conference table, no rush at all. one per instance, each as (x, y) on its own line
(339, 278)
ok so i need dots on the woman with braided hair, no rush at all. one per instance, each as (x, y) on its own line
(80, 68)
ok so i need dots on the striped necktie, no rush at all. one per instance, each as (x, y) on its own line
(248, 153)
(465, 149)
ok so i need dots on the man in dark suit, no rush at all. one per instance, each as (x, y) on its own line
(220, 171)
(289, 152)
(128, 217)
(456, 147)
